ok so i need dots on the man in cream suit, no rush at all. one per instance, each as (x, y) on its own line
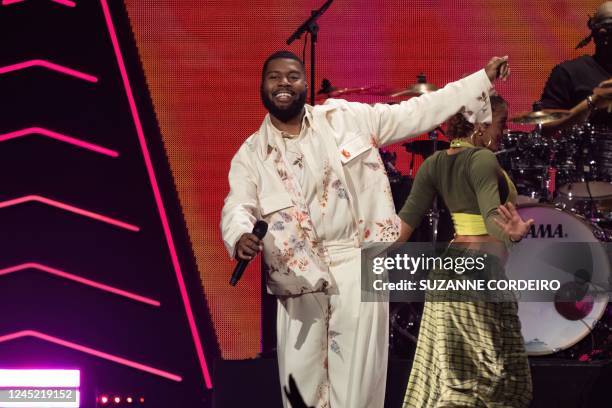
(314, 174)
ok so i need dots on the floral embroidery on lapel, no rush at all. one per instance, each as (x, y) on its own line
(283, 174)
(299, 161)
(301, 211)
(340, 190)
(326, 181)
(286, 217)
(346, 153)
(322, 395)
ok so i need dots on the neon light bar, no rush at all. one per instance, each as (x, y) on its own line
(49, 65)
(195, 335)
(67, 3)
(40, 378)
(76, 278)
(58, 136)
(70, 208)
(90, 351)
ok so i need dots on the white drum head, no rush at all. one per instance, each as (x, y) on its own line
(599, 189)
(541, 255)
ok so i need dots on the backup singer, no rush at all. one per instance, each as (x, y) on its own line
(469, 353)
(315, 175)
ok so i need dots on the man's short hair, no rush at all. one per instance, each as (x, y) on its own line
(281, 55)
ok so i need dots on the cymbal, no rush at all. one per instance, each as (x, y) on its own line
(425, 147)
(337, 92)
(421, 87)
(540, 117)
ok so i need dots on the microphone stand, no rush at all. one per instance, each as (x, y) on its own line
(434, 214)
(312, 27)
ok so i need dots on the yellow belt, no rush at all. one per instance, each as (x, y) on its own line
(469, 224)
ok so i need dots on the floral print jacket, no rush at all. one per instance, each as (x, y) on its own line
(262, 187)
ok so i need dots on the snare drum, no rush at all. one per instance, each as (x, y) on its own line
(591, 200)
(544, 329)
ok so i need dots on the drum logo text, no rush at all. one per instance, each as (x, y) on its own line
(546, 231)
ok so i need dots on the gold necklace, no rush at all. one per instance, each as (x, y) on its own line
(456, 143)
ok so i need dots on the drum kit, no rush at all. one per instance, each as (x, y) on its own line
(564, 184)
(564, 181)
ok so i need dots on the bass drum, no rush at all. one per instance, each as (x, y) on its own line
(548, 252)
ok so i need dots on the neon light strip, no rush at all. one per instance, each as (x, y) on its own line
(58, 136)
(158, 199)
(40, 378)
(76, 278)
(66, 3)
(69, 208)
(91, 351)
(49, 65)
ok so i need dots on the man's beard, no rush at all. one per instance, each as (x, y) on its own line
(284, 114)
(603, 45)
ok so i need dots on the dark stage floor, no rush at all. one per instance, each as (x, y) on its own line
(557, 383)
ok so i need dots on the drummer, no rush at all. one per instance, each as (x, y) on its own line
(571, 83)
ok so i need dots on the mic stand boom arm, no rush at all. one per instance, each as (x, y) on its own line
(311, 26)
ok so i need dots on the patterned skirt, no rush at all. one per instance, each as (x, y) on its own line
(469, 353)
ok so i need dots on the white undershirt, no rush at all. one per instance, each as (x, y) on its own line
(327, 200)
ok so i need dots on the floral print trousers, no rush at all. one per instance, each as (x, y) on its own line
(334, 345)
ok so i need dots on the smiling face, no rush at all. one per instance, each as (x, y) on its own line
(283, 88)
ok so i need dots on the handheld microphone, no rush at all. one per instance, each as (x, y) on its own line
(259, 230)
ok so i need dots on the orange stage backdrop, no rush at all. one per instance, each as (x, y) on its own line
(202, 60)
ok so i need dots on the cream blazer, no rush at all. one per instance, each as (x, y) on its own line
(262, 187)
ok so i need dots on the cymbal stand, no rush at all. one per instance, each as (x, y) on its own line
(434, 213)
(586, 171)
